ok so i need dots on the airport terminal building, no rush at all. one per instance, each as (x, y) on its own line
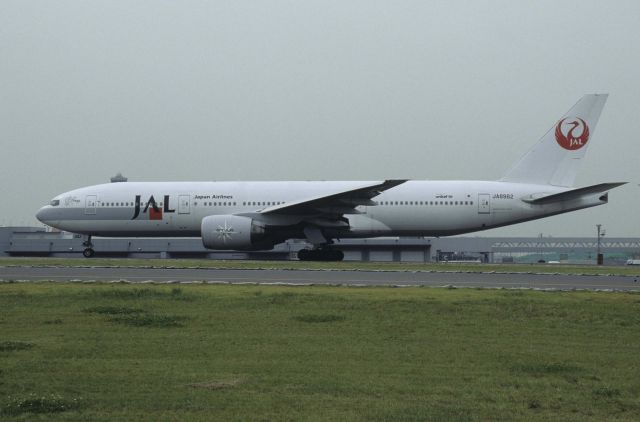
(36, 241)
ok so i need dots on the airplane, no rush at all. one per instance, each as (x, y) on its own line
(260, 215)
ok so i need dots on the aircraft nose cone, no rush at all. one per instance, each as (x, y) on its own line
(41, 215)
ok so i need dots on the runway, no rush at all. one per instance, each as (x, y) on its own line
(311, 277)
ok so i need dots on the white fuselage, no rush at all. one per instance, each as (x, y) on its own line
(414, 208)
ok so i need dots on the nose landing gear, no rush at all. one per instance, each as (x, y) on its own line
(88, 251)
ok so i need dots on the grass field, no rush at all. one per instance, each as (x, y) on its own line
(381, 266)
(193, 352)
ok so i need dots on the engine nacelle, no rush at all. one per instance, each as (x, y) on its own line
(233, 232)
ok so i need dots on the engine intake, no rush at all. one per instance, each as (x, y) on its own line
(233, 232)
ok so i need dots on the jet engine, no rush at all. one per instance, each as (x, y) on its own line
(233, 232)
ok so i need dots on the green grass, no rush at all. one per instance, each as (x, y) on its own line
(220, 352)
(9, 346)
(33, 404)
(298, 265)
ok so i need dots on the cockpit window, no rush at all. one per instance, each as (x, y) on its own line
(55, 202)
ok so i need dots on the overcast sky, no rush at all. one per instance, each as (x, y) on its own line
(304, 90)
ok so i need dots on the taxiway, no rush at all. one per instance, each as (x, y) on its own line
(325, 277)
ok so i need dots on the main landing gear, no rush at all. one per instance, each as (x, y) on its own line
(88, 250)
(320, 254)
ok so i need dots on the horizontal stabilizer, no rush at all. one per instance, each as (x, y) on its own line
(568, 195)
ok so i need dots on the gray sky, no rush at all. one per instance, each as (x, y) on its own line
(302, 90)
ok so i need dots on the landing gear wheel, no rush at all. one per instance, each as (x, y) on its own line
(88, 253)
(303, 254)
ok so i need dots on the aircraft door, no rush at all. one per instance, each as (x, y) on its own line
(484, 204)
(184, 204)
(90, 204)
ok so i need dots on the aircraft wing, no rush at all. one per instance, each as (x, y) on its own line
(571, 194)
(335, 204)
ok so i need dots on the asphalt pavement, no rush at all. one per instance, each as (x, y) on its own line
(323, 277)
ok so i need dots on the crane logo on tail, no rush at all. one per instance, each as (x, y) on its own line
(572, 133)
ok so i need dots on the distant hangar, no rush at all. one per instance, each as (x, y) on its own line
(36, 241)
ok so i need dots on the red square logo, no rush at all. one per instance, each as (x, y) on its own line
(155, 214)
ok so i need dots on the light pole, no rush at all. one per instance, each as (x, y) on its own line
(599, 257)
